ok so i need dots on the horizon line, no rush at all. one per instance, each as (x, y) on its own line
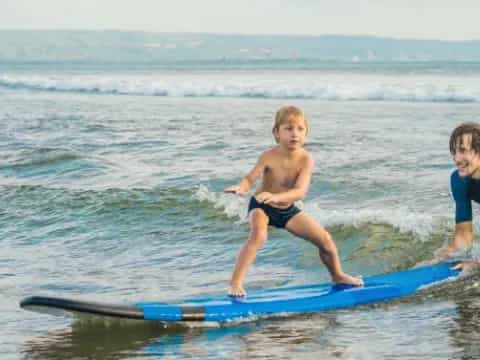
(380, 37)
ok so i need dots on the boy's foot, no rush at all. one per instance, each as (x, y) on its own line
(347, 279)
(236, 291)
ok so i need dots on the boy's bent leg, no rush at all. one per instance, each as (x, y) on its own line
(258, 236)
(304, 226)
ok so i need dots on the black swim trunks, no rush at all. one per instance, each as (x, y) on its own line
(276, 216)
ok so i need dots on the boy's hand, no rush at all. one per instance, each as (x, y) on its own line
(267, 198)
(234, 190)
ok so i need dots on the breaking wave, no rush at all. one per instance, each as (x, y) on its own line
(363, 89)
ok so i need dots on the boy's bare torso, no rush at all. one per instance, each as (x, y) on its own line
(281, 171)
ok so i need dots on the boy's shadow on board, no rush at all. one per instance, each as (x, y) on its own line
(104, 338)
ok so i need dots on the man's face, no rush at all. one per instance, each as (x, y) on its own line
(466, 159)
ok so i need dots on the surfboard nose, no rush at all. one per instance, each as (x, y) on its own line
(62, 307)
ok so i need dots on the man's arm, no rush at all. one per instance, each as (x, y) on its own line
(462, 240)
(463, 236)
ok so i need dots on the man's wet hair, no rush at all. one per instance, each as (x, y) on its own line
(456, 138)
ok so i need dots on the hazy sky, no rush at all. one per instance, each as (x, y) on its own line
(424, 19)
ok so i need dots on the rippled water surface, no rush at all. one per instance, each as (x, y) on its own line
(117, 197)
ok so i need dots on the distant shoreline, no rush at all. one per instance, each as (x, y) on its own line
(236, 34)
(134, 46)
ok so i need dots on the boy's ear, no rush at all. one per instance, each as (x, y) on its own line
(275, 134)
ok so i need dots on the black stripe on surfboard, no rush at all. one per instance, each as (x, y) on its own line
(193, 313)
(36, 303)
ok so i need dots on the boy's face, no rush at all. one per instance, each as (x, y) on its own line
(466, 159)
(292, 133)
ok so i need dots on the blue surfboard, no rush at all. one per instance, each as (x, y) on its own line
(282, 300)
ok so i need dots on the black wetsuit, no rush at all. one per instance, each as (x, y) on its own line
(464, 190)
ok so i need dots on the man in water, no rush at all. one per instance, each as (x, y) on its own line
(465, 187)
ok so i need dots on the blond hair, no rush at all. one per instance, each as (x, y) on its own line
(284, 114)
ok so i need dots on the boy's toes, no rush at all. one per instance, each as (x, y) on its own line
(236, 292)
(348, 279)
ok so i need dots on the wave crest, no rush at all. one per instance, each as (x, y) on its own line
(421, 225)
(249, 87)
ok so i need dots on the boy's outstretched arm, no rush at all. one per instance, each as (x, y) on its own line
(245, 184)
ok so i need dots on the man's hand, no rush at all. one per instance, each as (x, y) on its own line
(467, 266)
(446, 252)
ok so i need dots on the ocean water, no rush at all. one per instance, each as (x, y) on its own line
(111, 184)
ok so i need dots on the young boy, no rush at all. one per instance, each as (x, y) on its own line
(286, 170)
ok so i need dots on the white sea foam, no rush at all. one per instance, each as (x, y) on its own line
(322, 87)
(233, 206)
(404, 219)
